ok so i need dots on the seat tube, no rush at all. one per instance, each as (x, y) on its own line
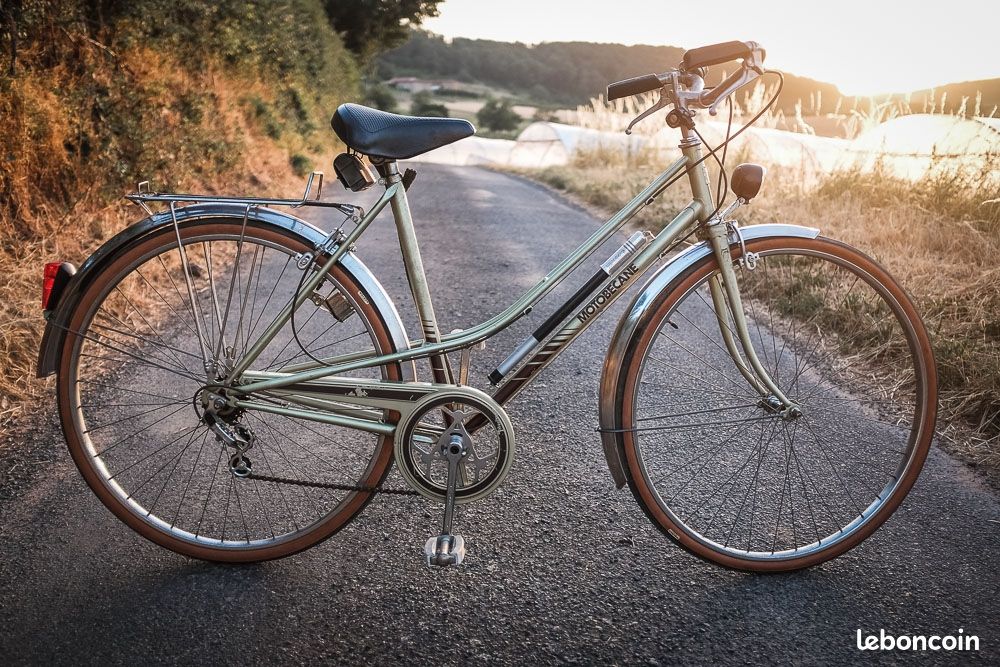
(415, 275)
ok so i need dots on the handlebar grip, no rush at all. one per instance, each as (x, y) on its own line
(715, 54)
(633, 86)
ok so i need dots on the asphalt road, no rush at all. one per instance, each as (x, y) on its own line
(562, 568)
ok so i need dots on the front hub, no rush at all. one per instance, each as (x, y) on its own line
(773, 405)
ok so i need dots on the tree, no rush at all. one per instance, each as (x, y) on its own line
(423, 105)
(381, 97)
(369, 27)
(498, 115)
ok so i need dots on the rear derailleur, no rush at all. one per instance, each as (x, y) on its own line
(219, 416)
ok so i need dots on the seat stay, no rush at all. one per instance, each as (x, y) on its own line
(310, 285)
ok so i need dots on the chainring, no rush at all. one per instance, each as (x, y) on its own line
(471, 415)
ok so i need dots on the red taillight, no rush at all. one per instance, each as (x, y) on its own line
(51, 271)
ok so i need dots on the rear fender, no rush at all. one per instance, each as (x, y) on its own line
(632, 322)
(59, 316)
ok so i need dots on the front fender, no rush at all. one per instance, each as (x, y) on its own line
(58, 318)
(609, 408)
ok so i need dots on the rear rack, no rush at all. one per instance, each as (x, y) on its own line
(144, 195)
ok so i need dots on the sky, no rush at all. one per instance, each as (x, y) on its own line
(864, 47)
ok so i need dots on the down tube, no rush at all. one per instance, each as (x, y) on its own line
(593, 309)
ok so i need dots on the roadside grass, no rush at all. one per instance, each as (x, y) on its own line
(83, 119)
(940, 237)
(215, 145)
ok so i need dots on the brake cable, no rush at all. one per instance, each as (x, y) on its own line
(722, 189)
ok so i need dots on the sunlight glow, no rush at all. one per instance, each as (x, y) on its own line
(864, 47)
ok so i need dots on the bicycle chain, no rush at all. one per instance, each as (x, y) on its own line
(332, 485)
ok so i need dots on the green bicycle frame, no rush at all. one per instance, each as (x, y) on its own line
(329, 399)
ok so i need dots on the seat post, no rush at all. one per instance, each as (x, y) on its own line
(414, 266)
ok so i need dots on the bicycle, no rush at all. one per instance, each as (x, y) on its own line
(234, 383)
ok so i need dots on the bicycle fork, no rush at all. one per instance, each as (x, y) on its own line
(728, 304)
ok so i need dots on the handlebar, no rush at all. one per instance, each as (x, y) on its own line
(716, 54)
(751, 54)
(635, 86)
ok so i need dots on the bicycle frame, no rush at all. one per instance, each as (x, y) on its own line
(359, 404)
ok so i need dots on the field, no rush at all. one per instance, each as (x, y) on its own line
(940, 237)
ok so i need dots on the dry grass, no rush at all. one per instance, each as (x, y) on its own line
(939, 237)
(61, 183)
(190, 94)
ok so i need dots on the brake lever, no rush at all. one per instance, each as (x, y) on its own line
(746, 77)
(662, 102)
(751, 69)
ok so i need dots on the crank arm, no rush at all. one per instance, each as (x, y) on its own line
(448, 549)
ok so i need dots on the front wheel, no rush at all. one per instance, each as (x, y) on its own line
(732, 479)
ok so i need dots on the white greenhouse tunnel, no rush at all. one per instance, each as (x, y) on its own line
(908, 146)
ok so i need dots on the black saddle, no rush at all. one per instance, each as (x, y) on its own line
(391, 136)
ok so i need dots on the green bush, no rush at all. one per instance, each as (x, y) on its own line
(423, 105)
(370, 26)
(288, 44)
(263, 113)
(116, 91)
(301, 164)
(381, 97)
(498, 115)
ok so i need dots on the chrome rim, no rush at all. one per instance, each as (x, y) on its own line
(136, 377)
(731, 472)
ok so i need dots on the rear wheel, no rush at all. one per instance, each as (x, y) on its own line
(725, 474)
(132, 381)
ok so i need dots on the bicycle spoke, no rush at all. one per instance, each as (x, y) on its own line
(176, 460)
(754, 490)
(138, 408)
(187, 486)
(116, 387)
(699, 412)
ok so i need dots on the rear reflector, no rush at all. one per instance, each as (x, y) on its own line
(57, 275)
(51, 271)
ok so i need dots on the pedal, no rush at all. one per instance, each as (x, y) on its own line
(445, 550)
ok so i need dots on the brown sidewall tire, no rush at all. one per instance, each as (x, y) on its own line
(637, 348)
(324, 528)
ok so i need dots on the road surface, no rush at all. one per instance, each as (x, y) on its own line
(562, 568)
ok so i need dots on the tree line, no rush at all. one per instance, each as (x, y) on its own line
(560, 73)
